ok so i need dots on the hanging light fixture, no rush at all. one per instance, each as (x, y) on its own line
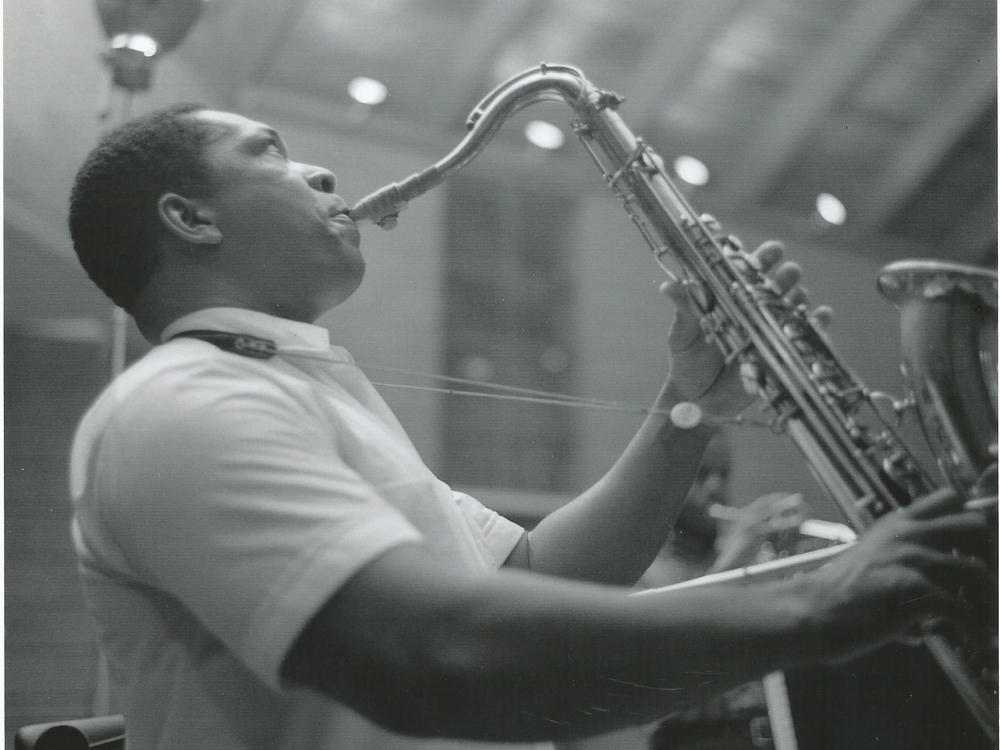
(141, 30)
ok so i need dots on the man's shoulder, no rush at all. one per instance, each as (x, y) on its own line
(178, 365)
(187, 377)
(185, 394)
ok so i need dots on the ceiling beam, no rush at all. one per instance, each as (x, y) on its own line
(251, 63)
(917, 156)
(851, 47)
(670, 58)
(465, 75)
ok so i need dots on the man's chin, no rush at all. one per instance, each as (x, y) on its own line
(347, 282)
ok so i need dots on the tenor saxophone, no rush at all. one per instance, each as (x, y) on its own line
(807, 390)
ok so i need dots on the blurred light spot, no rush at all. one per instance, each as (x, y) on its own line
(367, 91)
(477, 367)
(555, 359)
(831, 209)
(544, 134)
(692, 171)
(77, 330)
(138, 42)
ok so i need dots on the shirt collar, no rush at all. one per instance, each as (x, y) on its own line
(287, 334)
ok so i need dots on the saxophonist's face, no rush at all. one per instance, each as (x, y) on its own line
(286, 237)
(711, 484)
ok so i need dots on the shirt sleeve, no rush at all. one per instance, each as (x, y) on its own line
(232, 498)
(499, 534)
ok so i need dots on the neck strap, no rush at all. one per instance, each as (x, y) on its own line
(236, 343)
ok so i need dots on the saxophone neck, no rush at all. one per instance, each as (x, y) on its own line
(383, 206)
(543, 82)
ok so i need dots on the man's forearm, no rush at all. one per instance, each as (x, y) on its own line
(516, 656)
(612, 532)
(422, 649)
(591, 666)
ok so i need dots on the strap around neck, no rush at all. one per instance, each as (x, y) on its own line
(236, 343)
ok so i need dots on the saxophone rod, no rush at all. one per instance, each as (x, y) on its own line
(760, 572)
(795, 563)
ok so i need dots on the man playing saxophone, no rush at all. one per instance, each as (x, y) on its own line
(271, 565)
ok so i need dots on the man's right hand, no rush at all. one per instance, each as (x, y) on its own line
(908, 567)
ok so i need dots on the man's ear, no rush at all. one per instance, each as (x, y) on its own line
(188, 219)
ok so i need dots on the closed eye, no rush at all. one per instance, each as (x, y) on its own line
(275, 147)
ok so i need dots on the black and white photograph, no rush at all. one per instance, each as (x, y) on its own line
(469, 374)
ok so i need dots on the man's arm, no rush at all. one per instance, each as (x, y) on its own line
(612, 532)
(515, 656)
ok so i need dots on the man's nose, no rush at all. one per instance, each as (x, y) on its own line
(319, 178)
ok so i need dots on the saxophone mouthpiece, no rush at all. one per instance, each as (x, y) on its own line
(383, 206)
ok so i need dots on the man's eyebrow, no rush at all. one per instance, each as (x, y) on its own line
(213, 132)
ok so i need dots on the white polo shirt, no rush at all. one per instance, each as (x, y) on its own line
(219, 501)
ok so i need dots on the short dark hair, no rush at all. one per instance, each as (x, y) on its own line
(112, 209)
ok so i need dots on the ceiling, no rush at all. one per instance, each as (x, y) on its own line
(888, 104)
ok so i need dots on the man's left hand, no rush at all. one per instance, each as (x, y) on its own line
(697, 369)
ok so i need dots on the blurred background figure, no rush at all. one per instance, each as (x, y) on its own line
(713, 533)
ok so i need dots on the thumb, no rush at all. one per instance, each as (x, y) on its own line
(683, 294)
(686, 327)
(674, 291)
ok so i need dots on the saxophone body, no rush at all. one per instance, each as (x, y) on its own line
(807, 391)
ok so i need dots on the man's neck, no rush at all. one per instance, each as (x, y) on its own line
(174, 292)
(154, 311)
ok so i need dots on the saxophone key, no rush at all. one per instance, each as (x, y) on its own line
(711, 225)
(793, 330)
(821, 370)
(733, 242)
(872, 505)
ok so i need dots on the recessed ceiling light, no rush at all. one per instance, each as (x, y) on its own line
(830, 209)
(544, 134)
(692, 171)
(367, 91)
